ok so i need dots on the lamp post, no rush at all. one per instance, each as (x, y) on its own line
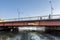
(51, 9)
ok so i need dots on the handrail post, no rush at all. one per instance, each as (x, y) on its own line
(40, 18)
(49, 16)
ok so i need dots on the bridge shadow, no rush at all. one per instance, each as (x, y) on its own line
(53, 32)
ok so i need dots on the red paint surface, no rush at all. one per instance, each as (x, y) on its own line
(32, 23)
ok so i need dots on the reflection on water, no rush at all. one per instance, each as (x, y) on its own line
(27, 36)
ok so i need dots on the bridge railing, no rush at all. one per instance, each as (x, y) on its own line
(35, 18)
(55, 16)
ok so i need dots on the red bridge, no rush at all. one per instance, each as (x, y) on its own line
(43, 21)
(47, 22)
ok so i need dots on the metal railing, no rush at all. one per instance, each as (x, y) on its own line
(35, 18)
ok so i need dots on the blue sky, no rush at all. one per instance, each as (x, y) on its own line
(27, 8)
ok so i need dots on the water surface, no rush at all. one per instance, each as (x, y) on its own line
(27, 36)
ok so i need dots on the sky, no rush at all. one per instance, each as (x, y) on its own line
(27, 8)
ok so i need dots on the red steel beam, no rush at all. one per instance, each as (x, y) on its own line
(32, 23)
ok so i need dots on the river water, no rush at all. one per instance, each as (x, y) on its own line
(27, 36)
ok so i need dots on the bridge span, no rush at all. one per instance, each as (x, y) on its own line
(47, 22)
(50, 22)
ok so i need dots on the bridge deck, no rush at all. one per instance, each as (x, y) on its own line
(52, 22)
(33, 21)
